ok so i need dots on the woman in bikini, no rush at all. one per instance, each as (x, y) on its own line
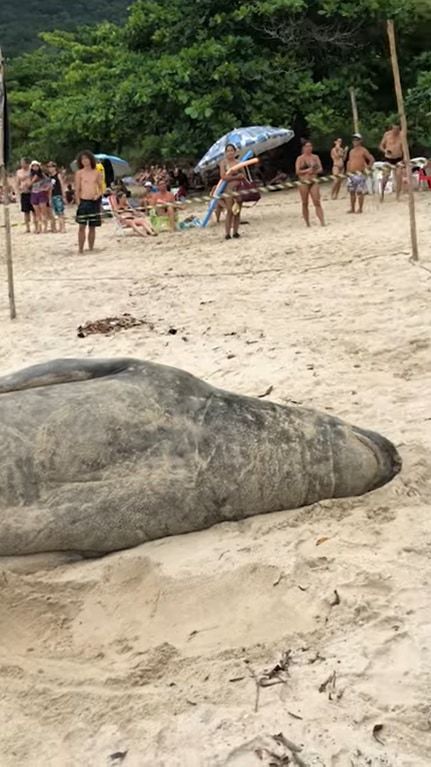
(338, 157)
(130, 218)
(233, 204)
(307, 168)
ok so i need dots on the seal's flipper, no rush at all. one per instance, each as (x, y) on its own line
(62, 371)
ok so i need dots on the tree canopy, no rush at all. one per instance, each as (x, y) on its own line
(21, 22)
(177, 75)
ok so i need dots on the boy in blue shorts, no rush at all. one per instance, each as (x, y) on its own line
(57, 195)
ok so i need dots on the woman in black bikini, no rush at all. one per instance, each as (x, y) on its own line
(233, 204)
(307, 168)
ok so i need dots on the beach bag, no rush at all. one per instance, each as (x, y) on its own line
(248, 191)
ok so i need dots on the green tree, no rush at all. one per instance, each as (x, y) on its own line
(177, 75)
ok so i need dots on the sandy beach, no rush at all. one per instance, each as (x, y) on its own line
(145, 658)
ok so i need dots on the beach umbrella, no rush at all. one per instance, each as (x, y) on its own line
(120, 167)
(257, 138)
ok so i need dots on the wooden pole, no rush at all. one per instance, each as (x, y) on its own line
(4, 183)
(354, 110)
(406, 150)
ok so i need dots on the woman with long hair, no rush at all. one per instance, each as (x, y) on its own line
(40, 186)
(233, 204)
(88, 194)
(307, 168)
(129, 218)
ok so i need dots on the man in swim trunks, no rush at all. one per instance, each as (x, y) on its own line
(23, 184)
(392, 147)
(163, 202)
(359, 161)
(88, 194)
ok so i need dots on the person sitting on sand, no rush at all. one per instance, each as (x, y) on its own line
(307, 168)
(88, 194)
(221, 204)
(338, 157)
(145, 198)
(359, 162)
(128, 217)
(279, 178)
(70, 195)
(163, 202)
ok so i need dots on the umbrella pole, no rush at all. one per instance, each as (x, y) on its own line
(219, 191)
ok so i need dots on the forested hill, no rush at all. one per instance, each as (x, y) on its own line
(22, 20)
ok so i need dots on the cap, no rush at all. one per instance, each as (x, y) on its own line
(35, 162)
(148, 183)
(357, 135)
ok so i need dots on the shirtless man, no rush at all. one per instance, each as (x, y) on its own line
(392, 147)
(88, 194)
(23, 188)
(359, 161)
(164, 203)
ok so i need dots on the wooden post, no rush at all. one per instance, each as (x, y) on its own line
(406, 150)
(4, 183)
(354, 110)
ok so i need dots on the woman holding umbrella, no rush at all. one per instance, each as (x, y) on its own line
(233, 203)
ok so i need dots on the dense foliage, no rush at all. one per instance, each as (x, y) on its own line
(22, 21)
(178, 74)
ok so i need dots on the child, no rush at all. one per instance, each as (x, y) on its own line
(88, 194)
(70, 195)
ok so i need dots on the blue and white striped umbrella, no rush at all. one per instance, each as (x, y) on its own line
(258, 138)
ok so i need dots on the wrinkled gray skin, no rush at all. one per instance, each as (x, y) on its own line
(100, 455)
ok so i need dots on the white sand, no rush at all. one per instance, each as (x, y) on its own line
(137, 652)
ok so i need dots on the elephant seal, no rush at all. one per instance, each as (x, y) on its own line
(101, 455)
